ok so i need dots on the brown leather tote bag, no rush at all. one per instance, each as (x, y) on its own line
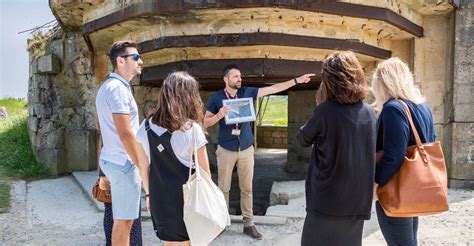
(420, 186)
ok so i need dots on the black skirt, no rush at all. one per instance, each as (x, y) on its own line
(320, 229)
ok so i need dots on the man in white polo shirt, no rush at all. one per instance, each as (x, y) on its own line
(118, 118)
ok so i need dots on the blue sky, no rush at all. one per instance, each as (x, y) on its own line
(17, 16)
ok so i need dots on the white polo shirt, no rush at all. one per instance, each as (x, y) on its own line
(115, 97)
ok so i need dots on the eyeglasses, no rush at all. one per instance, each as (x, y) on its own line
(135, 57)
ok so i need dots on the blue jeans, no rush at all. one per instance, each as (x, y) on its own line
(397, 231)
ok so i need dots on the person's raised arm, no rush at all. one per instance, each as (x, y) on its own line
(126, 135)
(269, 90)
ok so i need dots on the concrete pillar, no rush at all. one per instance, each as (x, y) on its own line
(300, 108)
(461, 115)
(212, 133)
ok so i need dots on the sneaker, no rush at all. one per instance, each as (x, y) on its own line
(252, 232)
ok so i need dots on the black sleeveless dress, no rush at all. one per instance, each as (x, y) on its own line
(167, 176)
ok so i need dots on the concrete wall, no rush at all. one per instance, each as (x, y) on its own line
(272, 137)
(300, 108)
(61, 96)
(460, 126)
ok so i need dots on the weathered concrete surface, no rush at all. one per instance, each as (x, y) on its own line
(61, 105)
(461, 101)
(49, 64)
(295, 209)
(283, 192)
(300, 109)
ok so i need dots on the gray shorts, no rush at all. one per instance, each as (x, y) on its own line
(126, 187)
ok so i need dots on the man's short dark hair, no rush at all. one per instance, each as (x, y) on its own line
(228, 68)
(118, 49)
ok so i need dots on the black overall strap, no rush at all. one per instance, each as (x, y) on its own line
(167, 176)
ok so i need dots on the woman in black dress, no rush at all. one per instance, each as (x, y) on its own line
(341, 170)
(167, 141)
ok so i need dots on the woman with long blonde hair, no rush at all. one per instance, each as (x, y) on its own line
(167, 140)
(392, 81)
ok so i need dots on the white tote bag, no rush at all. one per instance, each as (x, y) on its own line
(205, 210)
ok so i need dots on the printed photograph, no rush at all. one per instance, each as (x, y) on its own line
(241, 110)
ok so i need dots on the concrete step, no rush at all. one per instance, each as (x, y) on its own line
(284, 191)
(296, 209)
(87, 179)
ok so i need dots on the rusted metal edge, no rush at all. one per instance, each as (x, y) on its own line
(338, 8)
(257, 72)
(454, 3)
(247, 39)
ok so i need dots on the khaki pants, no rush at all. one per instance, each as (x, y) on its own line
(226, 161)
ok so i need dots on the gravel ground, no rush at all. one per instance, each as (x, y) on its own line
(55, 212)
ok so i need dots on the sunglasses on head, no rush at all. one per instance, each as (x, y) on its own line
(135, 57)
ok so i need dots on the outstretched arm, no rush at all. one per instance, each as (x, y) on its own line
(269, 90)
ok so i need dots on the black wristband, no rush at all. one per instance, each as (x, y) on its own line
(296, 81)
(147, 195)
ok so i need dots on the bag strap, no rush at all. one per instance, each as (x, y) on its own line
(147, 125)
(194, 152)
(419, 145)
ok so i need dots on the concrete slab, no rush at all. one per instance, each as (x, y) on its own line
(86, 179)
(51, 201)
(291, 212)
(282, 192)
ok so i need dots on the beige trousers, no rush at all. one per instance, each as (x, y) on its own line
(226, 160)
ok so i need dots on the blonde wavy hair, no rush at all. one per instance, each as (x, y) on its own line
(392, 79)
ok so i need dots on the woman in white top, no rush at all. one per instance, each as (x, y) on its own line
(166, 139)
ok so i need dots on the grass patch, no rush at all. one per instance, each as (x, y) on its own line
(16, 156)
(276, 112)
(4, 192)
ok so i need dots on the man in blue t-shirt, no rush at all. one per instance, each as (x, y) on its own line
(235, 141)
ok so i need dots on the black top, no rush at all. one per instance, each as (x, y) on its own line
(341, 170)
(225, 139)
(394, 135)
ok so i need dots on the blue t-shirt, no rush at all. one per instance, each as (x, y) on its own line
(226, 140)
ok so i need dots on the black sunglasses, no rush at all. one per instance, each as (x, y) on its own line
(135, 57)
